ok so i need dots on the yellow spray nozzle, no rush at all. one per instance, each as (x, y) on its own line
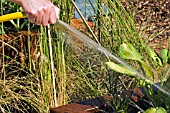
(12, 16)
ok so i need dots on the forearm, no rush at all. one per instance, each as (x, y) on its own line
(16, 1)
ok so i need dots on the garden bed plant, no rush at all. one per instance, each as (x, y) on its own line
(43, 68)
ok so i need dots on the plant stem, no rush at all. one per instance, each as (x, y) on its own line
(52, 67)
(3, 49)
(79, 12)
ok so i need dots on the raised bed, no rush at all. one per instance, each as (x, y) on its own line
(100, 104)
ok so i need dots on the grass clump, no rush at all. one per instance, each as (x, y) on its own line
(62, 68)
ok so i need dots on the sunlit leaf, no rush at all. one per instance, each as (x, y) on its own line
(156, 110)
(148, 72)
(164, 55)
(120, 68)
(160, 110)
(127, 51)
(155, 57)
(4, 1)
(151, 110)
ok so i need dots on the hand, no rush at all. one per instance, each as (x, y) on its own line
(40, 12)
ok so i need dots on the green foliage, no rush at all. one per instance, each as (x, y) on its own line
(77, 77)
(161, 99)
(127, 51)
(165, 55)
(18, 24)
(155, 57)
(156, 110)
(3, 1)
(120, 68)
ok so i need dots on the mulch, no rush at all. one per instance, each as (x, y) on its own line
(154, 17)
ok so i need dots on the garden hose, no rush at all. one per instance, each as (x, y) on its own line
(12, 16)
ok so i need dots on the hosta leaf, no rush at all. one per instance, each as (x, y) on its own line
(155, 57)
(127, 51)
(156, 110)
(151, 110)
(120, 68)
(160, 110)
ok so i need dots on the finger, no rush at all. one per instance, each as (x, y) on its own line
(31, 18)
(53, 17)
(57, 11)
(32, 15)
(46, 17)
(39, 18)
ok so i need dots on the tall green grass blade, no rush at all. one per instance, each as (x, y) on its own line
(3, 72)
(60, 67)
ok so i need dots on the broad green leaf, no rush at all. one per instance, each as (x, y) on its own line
(160, 110)
(4, 1)
(156, 110)
(120, 68)
(148, 72)
(164, 55)
(155, 56)
(151, 110)
(127, 51)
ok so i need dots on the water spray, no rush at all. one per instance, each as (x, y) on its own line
(75, 34)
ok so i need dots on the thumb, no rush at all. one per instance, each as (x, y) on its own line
(57, 10)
